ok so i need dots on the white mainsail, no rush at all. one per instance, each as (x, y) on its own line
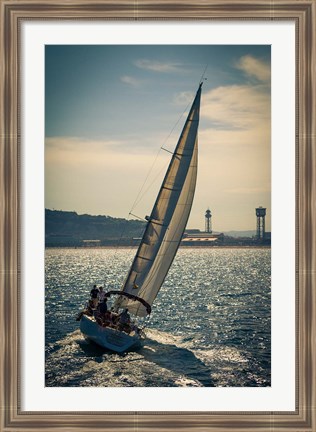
(168, 219)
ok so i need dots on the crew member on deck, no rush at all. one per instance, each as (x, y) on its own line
(101, 294)
(125, 320)
(103, 307)
(125, 317)
(101, 311)
(94, 296)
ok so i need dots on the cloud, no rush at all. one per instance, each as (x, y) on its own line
(184, 98)
(74, 153)
(249, 190)
(92, 175)
(254, 67)
(235, 154)
(156, 66)
(237, 107)
(77, 146)
(131, 81)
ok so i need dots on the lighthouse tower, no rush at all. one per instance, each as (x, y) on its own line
(208, 221)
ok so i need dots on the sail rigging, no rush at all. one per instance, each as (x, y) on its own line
(168, 219)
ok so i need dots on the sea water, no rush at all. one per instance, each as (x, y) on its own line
(210, 324)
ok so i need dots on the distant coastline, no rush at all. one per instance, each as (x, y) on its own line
(181, 247)
(66, 229)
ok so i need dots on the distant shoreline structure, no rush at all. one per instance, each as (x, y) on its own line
(68, 229)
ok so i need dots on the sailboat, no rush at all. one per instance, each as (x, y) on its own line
(158, 247)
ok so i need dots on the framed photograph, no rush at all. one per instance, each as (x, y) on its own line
(91, 91)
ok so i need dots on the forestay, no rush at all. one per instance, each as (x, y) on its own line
(168, 219)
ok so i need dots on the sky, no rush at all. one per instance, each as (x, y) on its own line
(110, 109)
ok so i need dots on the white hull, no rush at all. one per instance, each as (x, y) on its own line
(107, 337)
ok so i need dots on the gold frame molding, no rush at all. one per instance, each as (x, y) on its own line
(303, 14)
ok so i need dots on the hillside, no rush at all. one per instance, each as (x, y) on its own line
(63, 228)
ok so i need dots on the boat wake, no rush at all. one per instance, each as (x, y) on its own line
(164, 360)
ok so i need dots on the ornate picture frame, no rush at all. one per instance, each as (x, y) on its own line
(303, 14)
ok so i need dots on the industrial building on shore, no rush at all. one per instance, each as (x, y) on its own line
(195, 237)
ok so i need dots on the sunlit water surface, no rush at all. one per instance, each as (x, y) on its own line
(210, 324)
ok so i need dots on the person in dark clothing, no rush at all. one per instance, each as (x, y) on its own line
(94, 295)
(94, 292)
(103, 307)
(101, 311)
(125, 317)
